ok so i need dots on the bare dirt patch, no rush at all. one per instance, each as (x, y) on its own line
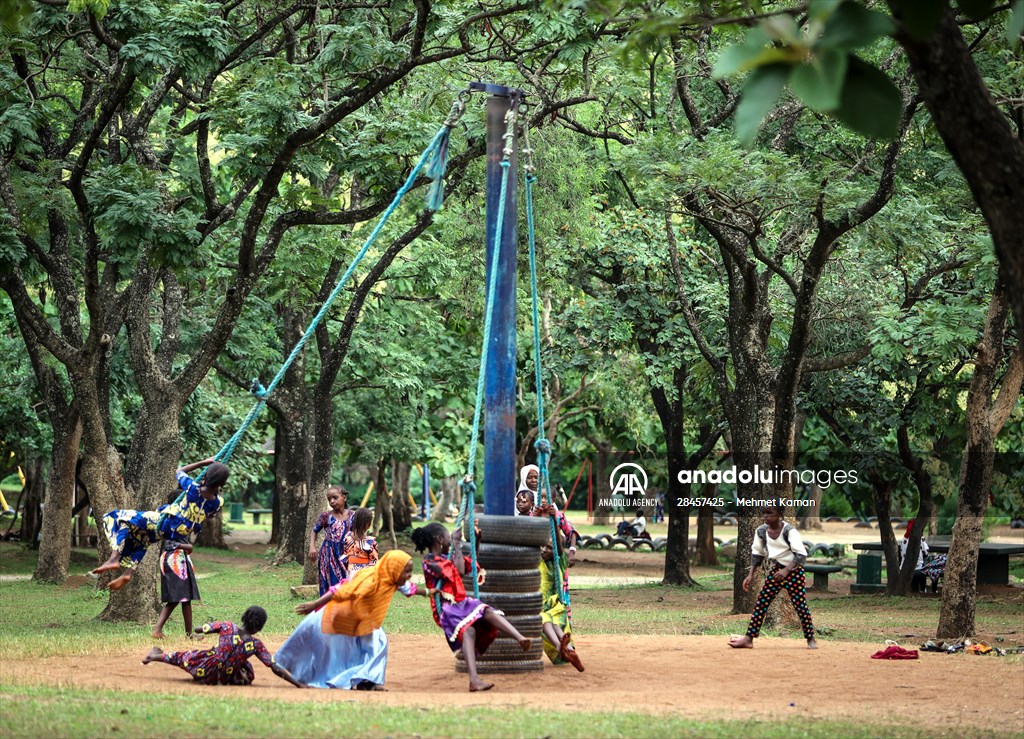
(692, 676)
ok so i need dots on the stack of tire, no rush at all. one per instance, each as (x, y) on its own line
(509, 552)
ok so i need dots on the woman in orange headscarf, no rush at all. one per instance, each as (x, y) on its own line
(343, 645)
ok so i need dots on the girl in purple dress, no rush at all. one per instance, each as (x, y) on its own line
(335, 525)
(469, 624)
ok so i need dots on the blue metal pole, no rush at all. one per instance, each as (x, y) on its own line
(426, 491)
(500, 383)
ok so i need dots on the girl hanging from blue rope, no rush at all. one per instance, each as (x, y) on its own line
(131, 532)
(469, 624)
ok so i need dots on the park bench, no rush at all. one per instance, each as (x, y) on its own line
(821, 573)
(257, 512)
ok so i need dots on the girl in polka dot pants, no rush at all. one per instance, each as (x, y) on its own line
(780, 543)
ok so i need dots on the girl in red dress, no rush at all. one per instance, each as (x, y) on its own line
(469, 624)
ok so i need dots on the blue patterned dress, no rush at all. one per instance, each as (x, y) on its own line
(331, 560)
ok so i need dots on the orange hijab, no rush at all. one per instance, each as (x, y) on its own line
(359, 605)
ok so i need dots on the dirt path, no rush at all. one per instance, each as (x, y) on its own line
(694, 676)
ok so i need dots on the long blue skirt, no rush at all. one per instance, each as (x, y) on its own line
(333, 660)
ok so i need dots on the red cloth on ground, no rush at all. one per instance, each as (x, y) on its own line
(895, 652)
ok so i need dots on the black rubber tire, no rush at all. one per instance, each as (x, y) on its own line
(507, 581)
(524, 531)
(506, 556)
(488, 667)
(514, 604)
(637, 543)
(504, 649)
(590, 542)
(660, 541)
(833, 519)
(661, 544)
(527, 625)
(606, 538)
(618, 540)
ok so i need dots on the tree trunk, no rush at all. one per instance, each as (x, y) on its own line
(212, 534)
(382, 508)
(670, 413)
(55, 542)
(602, 513)
(812, 519)
(293, 445)
(35, 492)
(706, 555)
(449, 485)
(984, 421)
(275, 500)
(978, 136)
(400, 506)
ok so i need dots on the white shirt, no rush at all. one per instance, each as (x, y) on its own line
(904, 543)
(777, 549)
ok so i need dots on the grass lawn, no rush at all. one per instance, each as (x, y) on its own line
(60, 621)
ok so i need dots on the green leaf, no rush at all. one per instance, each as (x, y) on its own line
(870, 103)
(853, 26)
(921, 17)
(975, 8)
(760, 92)
(819, 10)
(742, 56)
(1015, 25)
(819, 82)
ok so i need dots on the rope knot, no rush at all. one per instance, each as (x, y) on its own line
(543, 446)
(257, 389)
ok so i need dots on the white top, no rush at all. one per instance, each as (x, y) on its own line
(639, 525)
(904, 543)
(777, 549)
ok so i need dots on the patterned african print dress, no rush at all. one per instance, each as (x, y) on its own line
(225, 664)
(177, 578)
(358, 554)
(181, 519)
(131, 532)
(331, 560)
(458, 611)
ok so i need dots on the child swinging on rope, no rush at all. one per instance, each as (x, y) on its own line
(469, 624)
(131, 532)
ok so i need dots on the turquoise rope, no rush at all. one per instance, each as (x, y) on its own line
(257, 389)
(543, 446)
(469, 487)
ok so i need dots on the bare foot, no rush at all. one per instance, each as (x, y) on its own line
(121, 581)
(110, 564)
(157, 634)
(479, 685)
(154, 654)
(811, 644)
(563, 645)
(741, 642)
(525, 644)
(574, 659)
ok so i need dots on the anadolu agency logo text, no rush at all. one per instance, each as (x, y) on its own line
(775, 475)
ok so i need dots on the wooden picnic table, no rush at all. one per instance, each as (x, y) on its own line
(993, 559)
(257, 512)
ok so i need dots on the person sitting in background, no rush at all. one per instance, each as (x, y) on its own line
(636, 527)
(917, 583)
